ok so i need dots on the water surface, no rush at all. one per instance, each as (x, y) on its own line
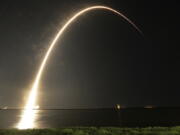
(132, 117)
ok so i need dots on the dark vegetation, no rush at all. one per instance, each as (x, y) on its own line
(95, 131)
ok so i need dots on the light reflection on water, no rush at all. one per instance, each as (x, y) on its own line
(60, 118)
(28, 119)
(94, 117)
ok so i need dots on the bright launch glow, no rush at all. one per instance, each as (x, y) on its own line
(28, 116)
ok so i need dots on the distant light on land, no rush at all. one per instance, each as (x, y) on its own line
(28, 115)
(5, 108)
(148, 107)
(118, 106)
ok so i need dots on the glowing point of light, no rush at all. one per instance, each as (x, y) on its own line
(28, 115)
(5, 108)
(118, 106)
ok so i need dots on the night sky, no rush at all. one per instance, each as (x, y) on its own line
(100, 61)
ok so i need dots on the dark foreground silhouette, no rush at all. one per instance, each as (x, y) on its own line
(95, 131)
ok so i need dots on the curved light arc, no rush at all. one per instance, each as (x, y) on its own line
(28, 115)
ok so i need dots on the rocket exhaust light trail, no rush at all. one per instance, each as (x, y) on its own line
(28, 115)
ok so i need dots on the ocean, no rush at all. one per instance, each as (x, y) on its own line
(126, 117)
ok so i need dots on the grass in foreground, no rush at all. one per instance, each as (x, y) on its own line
(95, 131)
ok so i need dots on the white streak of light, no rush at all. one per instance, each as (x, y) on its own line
(28, 115)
